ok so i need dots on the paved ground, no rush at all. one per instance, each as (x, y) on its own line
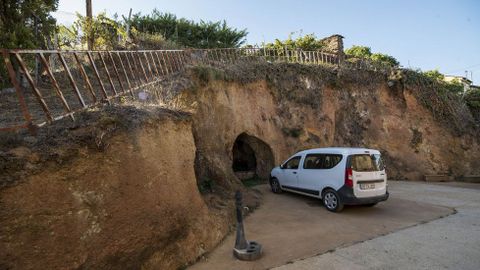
(452, 242)
(292, 228)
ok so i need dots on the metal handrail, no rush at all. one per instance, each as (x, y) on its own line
(125, 72)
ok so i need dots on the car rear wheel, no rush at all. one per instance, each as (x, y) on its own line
(332, 201)
(275, 186)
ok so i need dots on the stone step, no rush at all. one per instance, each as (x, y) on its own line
(470, 178)
(438, 178)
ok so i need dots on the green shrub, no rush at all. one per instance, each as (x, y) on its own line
(152, 41)
(293, 132)
(472, 97)
(363, 52)
(254, 181)
(307, 42)
(206, 185)
(442, 99)
(206, 74)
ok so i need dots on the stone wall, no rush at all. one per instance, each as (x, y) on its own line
(334, 44)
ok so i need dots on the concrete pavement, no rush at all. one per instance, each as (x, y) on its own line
(452, 242)
(292, 227)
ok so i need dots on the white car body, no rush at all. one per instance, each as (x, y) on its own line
(357, 175)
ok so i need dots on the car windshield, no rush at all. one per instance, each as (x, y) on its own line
(367, 163)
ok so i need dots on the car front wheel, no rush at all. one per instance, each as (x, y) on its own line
(275, 186)
(332, 201)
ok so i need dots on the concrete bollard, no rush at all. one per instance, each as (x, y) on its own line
(244, 250)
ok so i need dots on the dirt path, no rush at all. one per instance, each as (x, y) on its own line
(292, 227)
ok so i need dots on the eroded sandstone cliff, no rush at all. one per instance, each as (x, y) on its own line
(294, 107)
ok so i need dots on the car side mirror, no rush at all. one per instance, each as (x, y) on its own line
(282, 166)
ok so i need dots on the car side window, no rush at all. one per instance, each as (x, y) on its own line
(321, 161)
(313, 161)
(292, 163)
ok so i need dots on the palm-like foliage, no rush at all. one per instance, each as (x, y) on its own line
(307, 42)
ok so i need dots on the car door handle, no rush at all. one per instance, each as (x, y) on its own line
(294, 172)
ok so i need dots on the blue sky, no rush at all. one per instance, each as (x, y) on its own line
(442, 34)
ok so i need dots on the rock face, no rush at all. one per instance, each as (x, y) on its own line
(133, 204)
(120, 187)
(221, 113)
(291, 108)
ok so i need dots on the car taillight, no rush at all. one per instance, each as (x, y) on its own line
(348, 177)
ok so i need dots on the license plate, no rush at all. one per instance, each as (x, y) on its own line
(367, 186)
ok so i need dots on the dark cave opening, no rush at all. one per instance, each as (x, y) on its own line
(252, 157)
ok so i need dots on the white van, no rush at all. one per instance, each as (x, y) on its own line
(338, 176)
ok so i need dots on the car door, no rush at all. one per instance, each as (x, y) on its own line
(289, 172)
(318, 171)
(369, 176)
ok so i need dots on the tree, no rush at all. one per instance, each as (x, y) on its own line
(18, 19)
(25, 24)
(309, 42)
(359, 51)
(106, 32)
(188, 33)
(68, 37)
(364, 52)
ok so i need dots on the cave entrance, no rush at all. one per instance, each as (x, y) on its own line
(252, 158)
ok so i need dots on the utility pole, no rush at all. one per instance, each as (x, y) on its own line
(128, 24)
(35, 23)
(89, 25)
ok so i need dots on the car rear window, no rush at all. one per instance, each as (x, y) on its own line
(321, 161)
(367, 163)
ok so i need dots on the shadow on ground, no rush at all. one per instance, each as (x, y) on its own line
(292, 227)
